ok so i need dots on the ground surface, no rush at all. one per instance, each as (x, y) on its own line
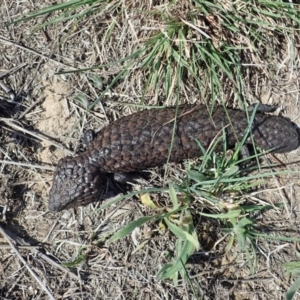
(47, 107)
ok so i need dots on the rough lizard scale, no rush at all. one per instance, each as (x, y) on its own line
(145, 139)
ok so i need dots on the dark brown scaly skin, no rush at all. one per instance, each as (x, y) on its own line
(144, 139)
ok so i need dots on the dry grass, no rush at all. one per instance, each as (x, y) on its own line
(50, 114)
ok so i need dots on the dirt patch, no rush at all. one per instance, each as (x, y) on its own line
(55, 119)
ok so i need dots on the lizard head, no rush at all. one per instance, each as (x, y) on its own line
(76, 182)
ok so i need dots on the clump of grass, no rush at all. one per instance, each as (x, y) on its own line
(211, 44)
(208, 183)
(76, 10)
(215, 187)
(293, 267)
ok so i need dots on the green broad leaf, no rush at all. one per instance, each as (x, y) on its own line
(130, 227)
(182, 234)
(244, 222)
(173, 196)
(80, 258)
(293, 290)
(197, 176)
(170, 270)
(231, 171)
(228, 215)
(292, 267)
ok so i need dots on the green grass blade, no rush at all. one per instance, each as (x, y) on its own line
(130, 227)
(293, 289)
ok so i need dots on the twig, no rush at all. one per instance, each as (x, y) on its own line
(20, 247)
(26, 265)
(51, 262)
(41, 137)
(25, 245)
(30, 108)
(11, 71)
(5, 41)
(10, 162)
